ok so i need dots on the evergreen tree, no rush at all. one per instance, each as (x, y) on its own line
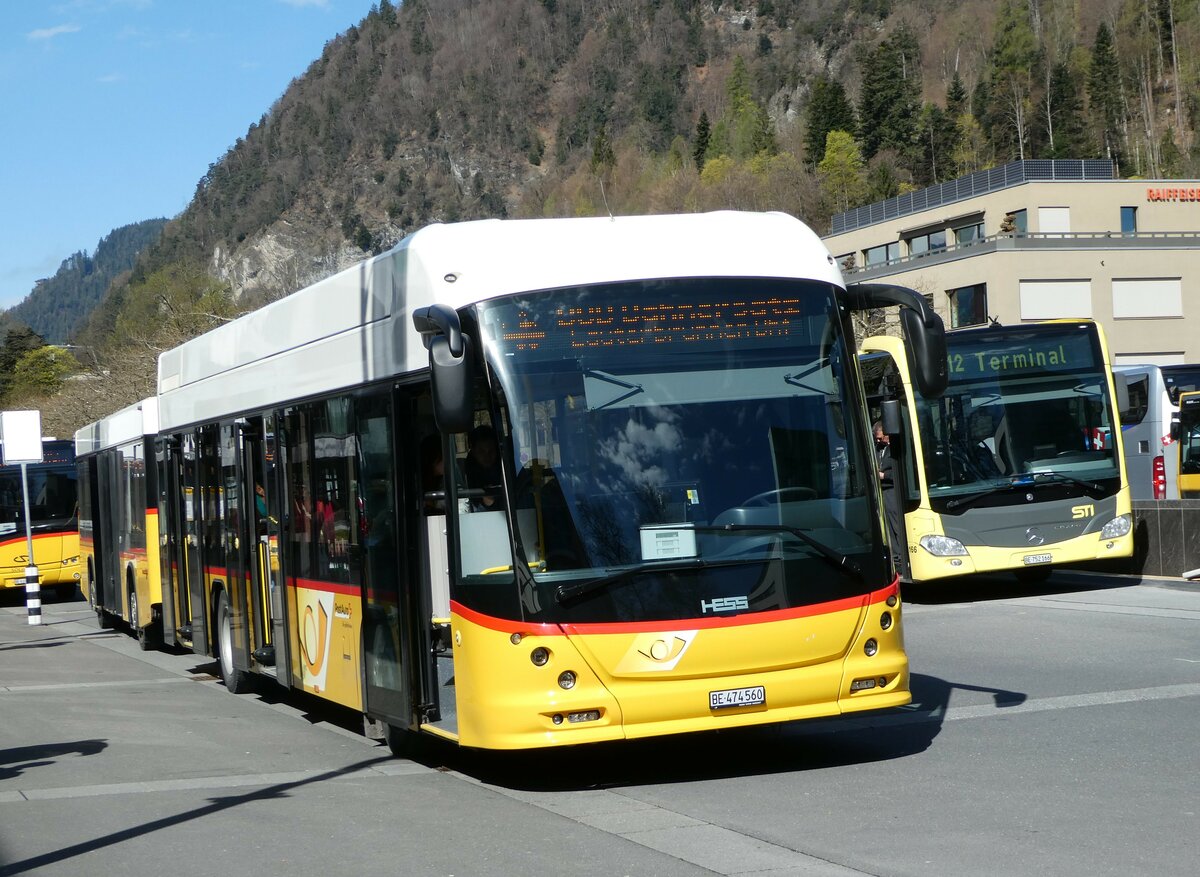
(888, 112)
(1104, 93)
(703, 134)
(956, 98)
(1067, 127)
(1014, 55)
(18, 341)
(828, 110)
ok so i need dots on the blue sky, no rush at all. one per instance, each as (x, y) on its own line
(112, 110)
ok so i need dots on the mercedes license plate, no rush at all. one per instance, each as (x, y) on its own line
(756, 695)
(1031, 559)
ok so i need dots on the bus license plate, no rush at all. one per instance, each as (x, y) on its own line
(756, 695)
(1031, 559)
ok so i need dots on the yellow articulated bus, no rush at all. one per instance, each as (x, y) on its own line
(52, 521)
(536, 483)
(1187, 435)
(1019, 464)
(118, 521)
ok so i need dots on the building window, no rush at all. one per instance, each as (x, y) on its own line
(882, 255)
(968, 305)
(1015, 222)
(927, 243)
(968, 234)
(1128, 220)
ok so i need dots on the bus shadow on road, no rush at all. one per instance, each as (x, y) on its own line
(791, 747)
(983, 588)
(16, 761)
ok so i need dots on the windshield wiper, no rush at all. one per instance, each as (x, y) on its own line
(1028, 480)
(834, 557)
(566, 593)
(1093, 486)
(980, 494)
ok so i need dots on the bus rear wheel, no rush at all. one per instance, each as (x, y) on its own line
(142, 633)
(237, 681)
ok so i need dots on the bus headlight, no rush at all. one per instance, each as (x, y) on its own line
(1118, 526)
(943, 546)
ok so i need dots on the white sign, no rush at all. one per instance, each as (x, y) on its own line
(21, 434)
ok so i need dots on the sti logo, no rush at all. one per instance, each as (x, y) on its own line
(1083, 511)
(724, 604)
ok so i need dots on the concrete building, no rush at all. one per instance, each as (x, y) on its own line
(1036, 240)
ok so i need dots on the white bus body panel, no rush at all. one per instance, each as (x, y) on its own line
(355, 327)
(129, 424)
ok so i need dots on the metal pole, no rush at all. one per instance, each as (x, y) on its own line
(33, 588)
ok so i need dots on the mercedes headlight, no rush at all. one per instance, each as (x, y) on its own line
(1117, 527)
(943, 546)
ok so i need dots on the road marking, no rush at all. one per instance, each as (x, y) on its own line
(115, 683)
(383, 769)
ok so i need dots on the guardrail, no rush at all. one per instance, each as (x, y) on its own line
(972, 185)
(1033, 241)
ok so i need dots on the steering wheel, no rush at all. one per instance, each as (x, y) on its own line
(777, 496)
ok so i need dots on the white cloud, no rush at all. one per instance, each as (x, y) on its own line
(111, 77)
(49, 33)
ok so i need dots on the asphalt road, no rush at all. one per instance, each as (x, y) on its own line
(1054, 731)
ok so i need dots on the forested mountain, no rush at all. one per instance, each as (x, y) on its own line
(58, 303)
(440, 110)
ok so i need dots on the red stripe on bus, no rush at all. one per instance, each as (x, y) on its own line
(505, 625)
(21, 539)
(329, 587)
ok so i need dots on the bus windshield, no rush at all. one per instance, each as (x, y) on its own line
(683, 448)
(1024, 405)
(51, 499)
(1189, 434)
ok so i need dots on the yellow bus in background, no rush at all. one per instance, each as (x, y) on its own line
(53, 521)
(1187, 435)
(1019, 464)
(118, 520)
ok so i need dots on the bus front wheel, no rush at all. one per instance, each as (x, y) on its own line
(237, 681)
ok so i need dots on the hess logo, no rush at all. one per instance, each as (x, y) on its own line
(724, 604)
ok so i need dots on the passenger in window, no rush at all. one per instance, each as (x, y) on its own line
(433, 475)
(482, 468)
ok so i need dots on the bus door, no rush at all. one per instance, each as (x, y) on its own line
(260, 478)
(168, 538)
(193, 617)
(111, 518)
(237, 539)
(391, 653)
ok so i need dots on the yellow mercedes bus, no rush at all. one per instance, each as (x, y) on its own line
(680, 528)
(1019, 464)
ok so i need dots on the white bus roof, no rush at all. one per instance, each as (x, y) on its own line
(129, 424)
(355, 326)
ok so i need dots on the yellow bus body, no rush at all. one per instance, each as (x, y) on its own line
(56, 556)
(655, 679)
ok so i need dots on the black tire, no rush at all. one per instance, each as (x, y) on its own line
(400, 741)
(237, 681)
(142, 633)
